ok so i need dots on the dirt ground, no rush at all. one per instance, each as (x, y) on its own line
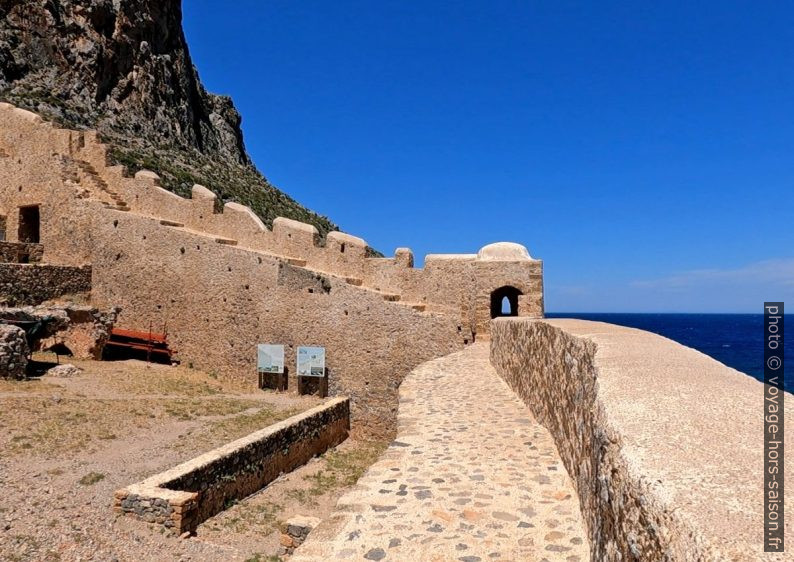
(66, 444)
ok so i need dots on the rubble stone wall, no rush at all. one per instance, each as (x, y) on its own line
(32, 284)
(184, 496)
(13, 352)
(20, 252)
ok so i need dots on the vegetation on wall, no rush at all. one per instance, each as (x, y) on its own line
(179, 171)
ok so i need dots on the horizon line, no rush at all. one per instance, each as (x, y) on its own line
(666, 312)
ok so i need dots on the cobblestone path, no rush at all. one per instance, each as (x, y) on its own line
(471, 477)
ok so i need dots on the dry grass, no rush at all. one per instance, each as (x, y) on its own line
(234, 427)
(141, 378)
(53, 427)
(27, 387)
(189, 409)
(312, 489)
(263, 517)
(91, 478)
(58, 426)
(342, 469)
(110, 401)
(112, 412)
(259, 557)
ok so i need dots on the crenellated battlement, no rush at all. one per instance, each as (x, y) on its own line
(67, 174)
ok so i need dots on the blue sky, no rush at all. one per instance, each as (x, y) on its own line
(645, 153)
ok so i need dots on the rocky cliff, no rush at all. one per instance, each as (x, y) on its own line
(123, 67)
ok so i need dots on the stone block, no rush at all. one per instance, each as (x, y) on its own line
(295, 530)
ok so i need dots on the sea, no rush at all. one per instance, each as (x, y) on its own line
(736, 340)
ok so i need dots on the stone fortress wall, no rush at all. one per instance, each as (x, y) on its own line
(219, 281)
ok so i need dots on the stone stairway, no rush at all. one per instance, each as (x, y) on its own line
(471, 477)
(94, 186)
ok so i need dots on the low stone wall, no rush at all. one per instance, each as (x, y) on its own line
(20, 252)
(32, 284)
(184, 496)
(663, 443)
(13, 352)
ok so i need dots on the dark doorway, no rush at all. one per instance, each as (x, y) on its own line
(29, 224)
(504, 302)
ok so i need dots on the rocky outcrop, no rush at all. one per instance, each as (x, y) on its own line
(86, 331)
(69, 329)
(124, 68)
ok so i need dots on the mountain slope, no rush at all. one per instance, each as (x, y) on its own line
(123, 67)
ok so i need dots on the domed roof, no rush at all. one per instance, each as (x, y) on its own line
(503, 251)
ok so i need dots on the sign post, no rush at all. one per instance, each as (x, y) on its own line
(311, 367)
(269, 362)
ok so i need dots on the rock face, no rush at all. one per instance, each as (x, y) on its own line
(122, 65)
(123, 68)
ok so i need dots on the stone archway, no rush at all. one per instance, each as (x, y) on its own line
(504, 301)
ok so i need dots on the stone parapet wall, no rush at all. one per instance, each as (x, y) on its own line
(32, 284)
(663, 443)
(186, 495)
(13, 352)
(20, 252)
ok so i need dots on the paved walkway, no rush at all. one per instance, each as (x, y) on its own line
(471, 477)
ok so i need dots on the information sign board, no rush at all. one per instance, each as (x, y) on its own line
(311, 361)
